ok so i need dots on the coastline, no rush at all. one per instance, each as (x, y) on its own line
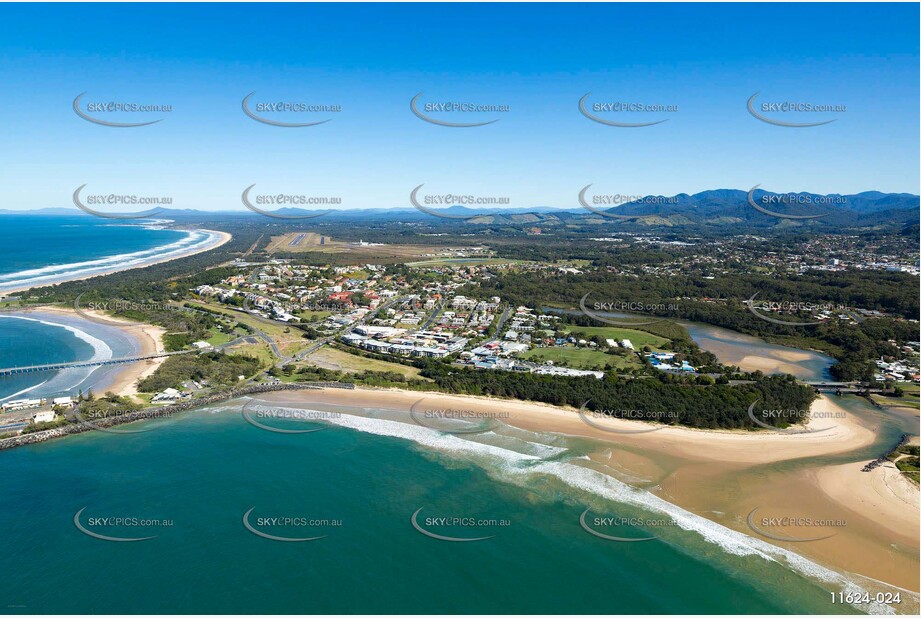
(148, 337)
(218, 238)
(829, 435)
(724, 475)
(707, 473)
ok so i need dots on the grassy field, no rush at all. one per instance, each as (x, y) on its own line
(289, 339)
(313, 316)
(661, 327)
(340, 360)
(909, 400)
(581, 358)
(463, 262)
(220, 338)
(260, 351)
(309, 242)
(636, 337)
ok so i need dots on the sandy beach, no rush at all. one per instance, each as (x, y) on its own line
(724, 475)
(219, 238)
(148, 337)
(828, 434)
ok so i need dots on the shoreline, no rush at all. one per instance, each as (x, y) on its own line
(829, 435)
(150, 341)
(694, 468)
(124, 378)
(707, 462)
(219, 239)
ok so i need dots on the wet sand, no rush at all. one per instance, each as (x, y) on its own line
(148, 337)
(220, 238)
(725, 475)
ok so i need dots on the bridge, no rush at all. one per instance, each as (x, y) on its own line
(843, 388)
(11, 371)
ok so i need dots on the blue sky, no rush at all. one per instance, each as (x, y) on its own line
(537, 59)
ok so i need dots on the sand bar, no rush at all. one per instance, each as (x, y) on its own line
(724, 475)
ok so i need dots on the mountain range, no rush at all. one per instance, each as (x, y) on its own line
(712, 207)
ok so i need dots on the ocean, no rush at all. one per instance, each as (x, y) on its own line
(356, 484)
(210, 488)
(41, 337)
(44, 249)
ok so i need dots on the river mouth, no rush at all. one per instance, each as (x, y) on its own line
(750, 353)
(746, 352)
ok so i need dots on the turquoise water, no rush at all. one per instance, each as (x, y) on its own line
(203, 471)
(37, 338)
(363, 476)
(43, 249)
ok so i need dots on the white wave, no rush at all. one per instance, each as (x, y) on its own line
(25, 390)
(194, 239)
(426, 437)
(101, 350)
(594, 482)
(106, 260)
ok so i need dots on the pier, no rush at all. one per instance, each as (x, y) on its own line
(11, 371)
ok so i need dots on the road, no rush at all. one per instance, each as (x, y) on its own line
(438, 309)
(344, 331)
(503, 319)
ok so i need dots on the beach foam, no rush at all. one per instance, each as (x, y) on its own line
(517, 467)
(101, 351)
(194, 240)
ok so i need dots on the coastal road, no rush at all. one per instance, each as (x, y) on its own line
(503, 319)
(438, 309)
(344, 331)
(273, 345)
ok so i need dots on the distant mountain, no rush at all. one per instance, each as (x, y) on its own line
(42, 211)
(870, 209)
(403, 213)
(732, 205)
